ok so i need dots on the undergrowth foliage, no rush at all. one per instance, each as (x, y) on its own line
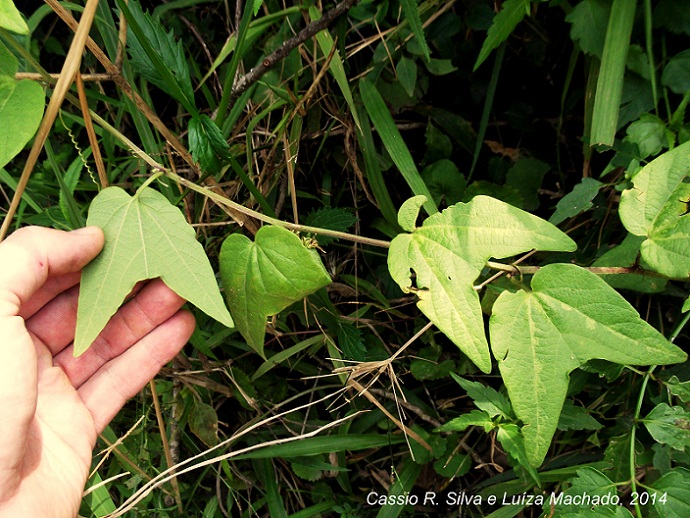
(451, 240)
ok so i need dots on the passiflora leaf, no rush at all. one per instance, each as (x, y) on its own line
(654, 208)
(145, 237)
(264, 277)
(447, 254)
(569, 317)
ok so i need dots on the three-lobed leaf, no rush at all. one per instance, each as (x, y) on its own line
(264, 277)
(654, 208)
(447, 254)
(570, 316)
(145, 237)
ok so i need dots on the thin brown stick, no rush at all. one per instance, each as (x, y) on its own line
(88, 124)
(87, 78)
(288, 45)
(165, 444)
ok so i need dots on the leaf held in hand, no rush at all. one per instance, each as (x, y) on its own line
(539, 337)
(145, 237)
(264, 277)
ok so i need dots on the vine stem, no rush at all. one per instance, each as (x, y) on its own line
(222, 200)
(633, 433)
(599, 270)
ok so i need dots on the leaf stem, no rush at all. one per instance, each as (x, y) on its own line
(633, 430)
(598, 270)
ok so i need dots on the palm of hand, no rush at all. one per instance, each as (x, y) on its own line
(54, 405)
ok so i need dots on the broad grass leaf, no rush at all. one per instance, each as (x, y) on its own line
(447, 254)
(654, 208)
(145, 237)
(392, 140)
(264, 277)
(21, 109)
(569, 317)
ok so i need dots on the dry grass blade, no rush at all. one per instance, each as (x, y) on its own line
(69, 69)
(88, 124)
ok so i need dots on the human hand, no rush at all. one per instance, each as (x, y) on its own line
(52, 405)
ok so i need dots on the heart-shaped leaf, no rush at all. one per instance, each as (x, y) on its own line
(569, 317)
(11, 19)
(145, 237)
(264, 277)
(654, 208)
(21, 109)
(447, 254)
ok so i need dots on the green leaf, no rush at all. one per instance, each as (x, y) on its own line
(576, 201)
(206, 143)
(513, 444)
(21, 109)
(669, 425)
(526, 177)
(472, 418)
(393, 141)
(445, 181)
(486, 398)
(9, 64)
(440, 67)
(448, 252)
(680, 389)
(672, 498)
(203, 422)
(11, 19)
(569, 317)
(650, 134)
(672, 15)
(264, 277)
(409, 212)
(332, 218)
(594, 485)
(145, 237)
(577, 418)
(653, 208)
(589, 19)
(676, 75)
(411, 12)
(406, 70)
(504, 22)
(157, 56)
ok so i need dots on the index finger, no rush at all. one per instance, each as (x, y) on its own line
(33, 254)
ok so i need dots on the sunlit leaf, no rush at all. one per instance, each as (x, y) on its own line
(264, 277)
(11, 19)
(654, 208)
(447, 254)
(145, 237)
(569, 317)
